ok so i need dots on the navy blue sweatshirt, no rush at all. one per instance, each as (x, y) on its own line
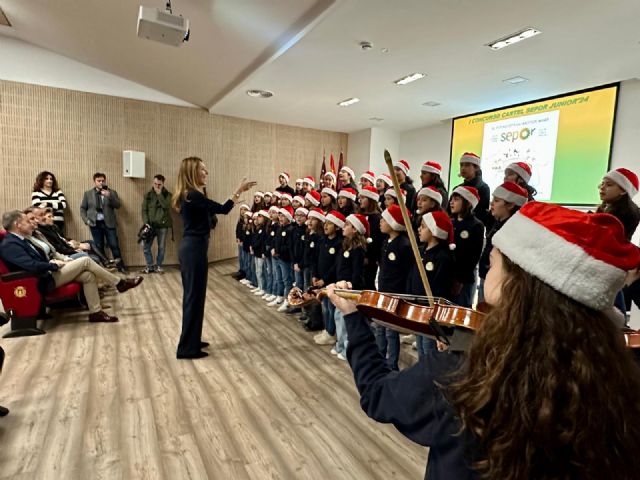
(483, 266)
(283, 241)
(350, 267)
(258, 240)
(469, 240)
(329, 249)
(395, 261)
(412, 401)
(270, 238)
(310, 255)
(297, 244)
(439, 264)
(196, 213)
(247, 237)
(482, 209)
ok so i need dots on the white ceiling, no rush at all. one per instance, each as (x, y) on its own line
(307, 53)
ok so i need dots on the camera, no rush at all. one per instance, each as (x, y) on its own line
(104, 187)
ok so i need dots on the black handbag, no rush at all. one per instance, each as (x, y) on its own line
(146, 233)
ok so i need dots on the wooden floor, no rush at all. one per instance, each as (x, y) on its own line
(110, 401)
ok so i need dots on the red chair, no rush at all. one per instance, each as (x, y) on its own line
(23, 302)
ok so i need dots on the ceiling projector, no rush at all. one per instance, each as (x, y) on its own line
(162, 26)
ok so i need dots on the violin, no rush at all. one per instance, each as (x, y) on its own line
(631, 337)
(400, 312)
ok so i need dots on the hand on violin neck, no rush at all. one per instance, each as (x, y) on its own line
(342, 304)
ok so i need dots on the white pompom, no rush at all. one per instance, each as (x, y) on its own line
(369, 240)
(452, 246)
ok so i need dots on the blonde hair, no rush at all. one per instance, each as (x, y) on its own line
(357, 241)
(187, 181)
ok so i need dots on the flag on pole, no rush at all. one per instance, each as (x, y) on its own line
(333, 164)
(323, 170)
(341, 162)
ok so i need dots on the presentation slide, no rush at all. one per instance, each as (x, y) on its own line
(566, 140)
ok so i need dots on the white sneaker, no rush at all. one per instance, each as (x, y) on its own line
(408, 339)
(258, 292)
(244, 281)
(326, 339)
(319, 335)
(270, 298)
(250, 285)
(341, 356)
(334, 351)
(265, 296)
(273, 303)
(254, 289)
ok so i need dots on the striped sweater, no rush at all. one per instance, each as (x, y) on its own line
(56, 201)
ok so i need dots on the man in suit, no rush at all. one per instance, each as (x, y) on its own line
(98, 211)
(20, 254)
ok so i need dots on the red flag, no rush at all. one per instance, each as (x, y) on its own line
(333, 163)
(323, 170)
(341, 162)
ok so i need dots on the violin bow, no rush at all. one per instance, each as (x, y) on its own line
(410, 232)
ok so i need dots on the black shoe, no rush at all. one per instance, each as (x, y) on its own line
(4, 411)
(303, 318)
(292, 310)
(312, 327)
(204, 344)
(192, 355)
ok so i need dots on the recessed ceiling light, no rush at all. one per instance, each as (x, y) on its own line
(516, 80)
(513, 38)
(431, 104)
(260, 93)
(376, 119)
(348, 101)
(410, 78)
(384, 50)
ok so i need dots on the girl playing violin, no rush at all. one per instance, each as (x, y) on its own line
(547, 389)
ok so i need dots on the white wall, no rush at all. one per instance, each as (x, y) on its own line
(366, 149)
(358, 148)
(26, 63)
(427, 144)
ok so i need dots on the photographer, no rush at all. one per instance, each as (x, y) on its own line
(156, 213)
(98, 211)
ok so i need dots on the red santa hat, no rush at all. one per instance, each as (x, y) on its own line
(625, 179)
(258, 194)
(244, 206)
(264, 213)
(299, 199)
(287, 212)
(360, 223)
(585, 256)
(274, 209)
(331, 174)
(313, 197)
(432, 167)
(431, 192)
(368, 175)
(470, 157)
(404, 166)
(392, 193)
(287, 196)
(349, 171)
(393, 216)
(317, 213)
(470, 194)
(385, 178)
(522, 169)
(268, 194)
(439, 223)
(370, 192)
(309, 180)
(512, 192)
(329, 191)
(277, 194)
(298, 180)
(349, 193)
(285, 175)
(302, 210)
(336, 218)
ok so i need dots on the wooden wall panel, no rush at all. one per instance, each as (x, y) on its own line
(74, 134)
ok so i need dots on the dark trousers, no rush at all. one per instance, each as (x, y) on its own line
(100, 232)
(192, 255)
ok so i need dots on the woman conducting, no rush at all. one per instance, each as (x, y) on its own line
(190, 199)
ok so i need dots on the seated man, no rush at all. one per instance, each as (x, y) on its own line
(20, 254)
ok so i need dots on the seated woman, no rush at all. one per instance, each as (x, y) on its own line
(546, 389)
(19, 253)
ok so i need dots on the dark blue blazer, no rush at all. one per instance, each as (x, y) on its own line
(18, 255)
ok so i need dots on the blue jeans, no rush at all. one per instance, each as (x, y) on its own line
(101, 232)
(327, 316)
(425, 344)
(259, 267)
(161, 233)
(393, 346)
(79, 255)
(268, 275)
(306, 275)
(284, 274)
(465, 298)
(341, 332)
(251, 265)
(240, 258)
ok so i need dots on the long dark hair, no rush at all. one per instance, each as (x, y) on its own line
(436, 182)
(625, 210)
(549, 390)
(39, 183)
